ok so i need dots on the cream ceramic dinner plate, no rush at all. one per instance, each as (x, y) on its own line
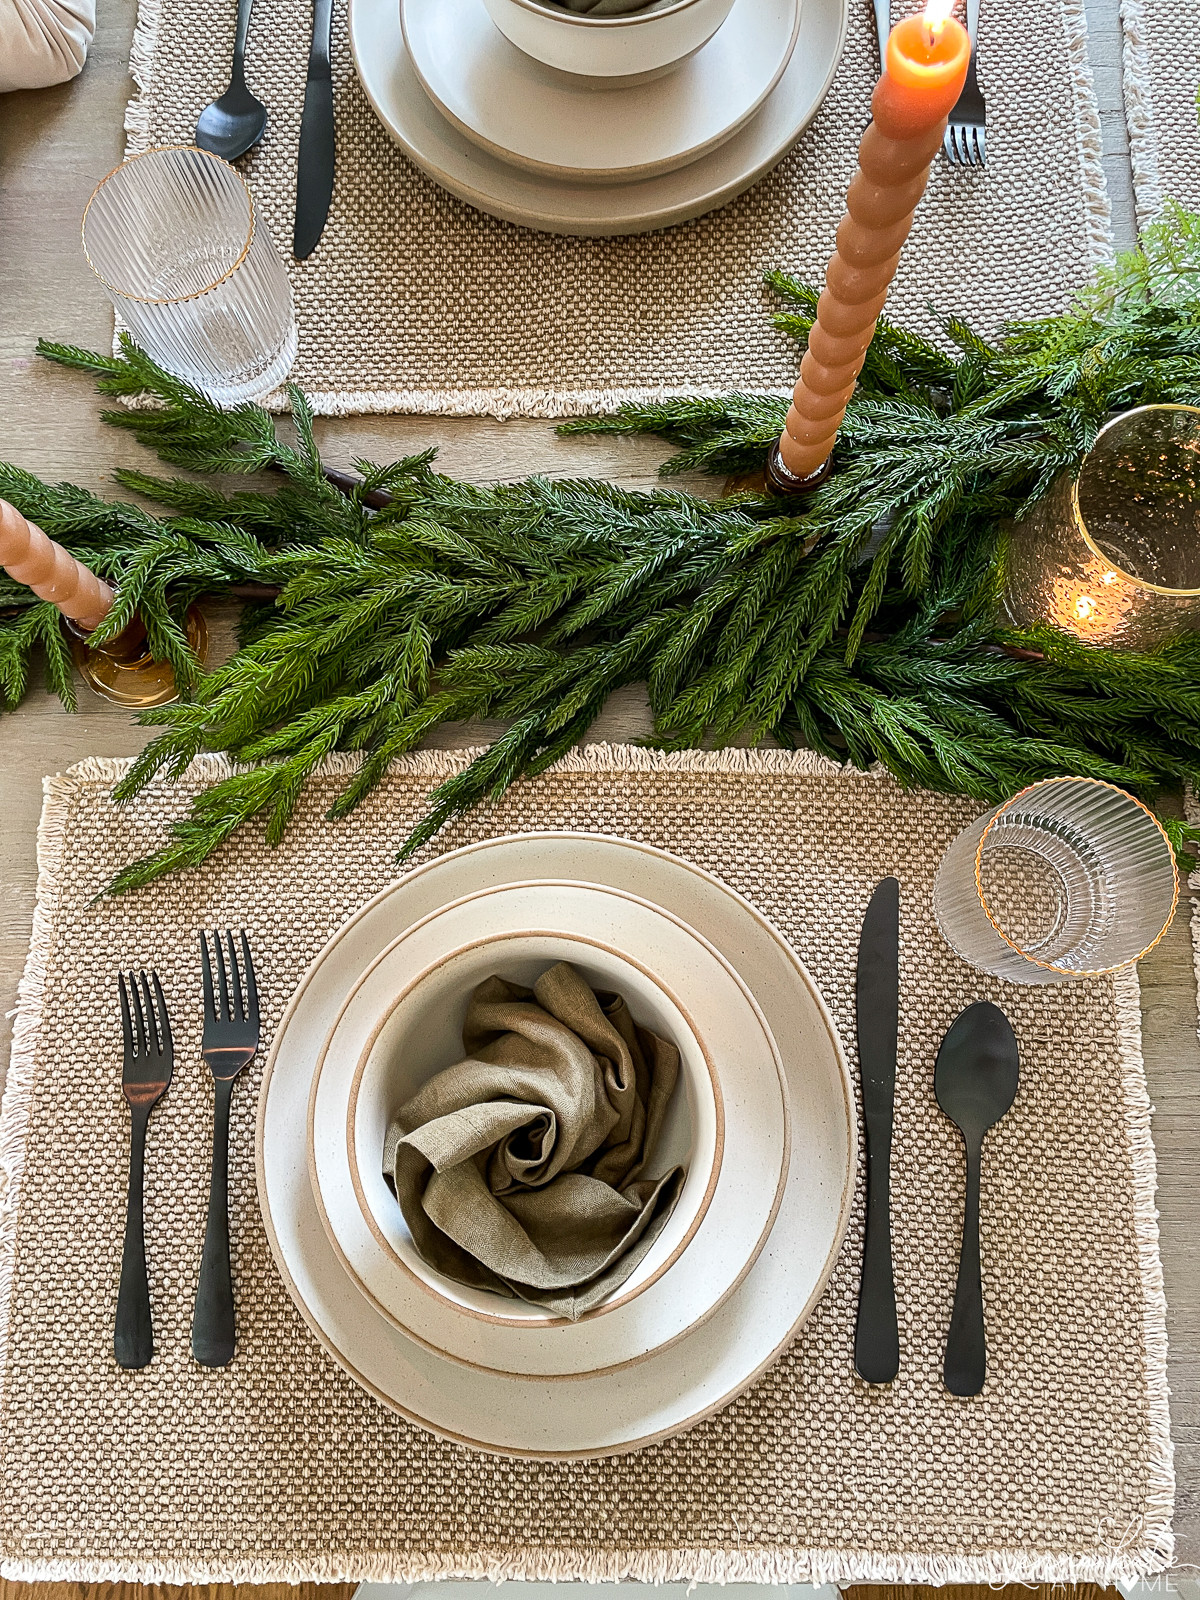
(582, 131)
(669, 1391)
(537, 200)
(686, 1274)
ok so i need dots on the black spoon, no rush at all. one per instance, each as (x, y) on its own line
(230, 125)
(975, 1081)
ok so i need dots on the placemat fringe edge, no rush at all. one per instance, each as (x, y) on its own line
(1098, 211)
(602, 757)
(17, 1102)
(815, 1567)
(141, 62)
(502, 404)
(1156, 1534)
(1139, 112)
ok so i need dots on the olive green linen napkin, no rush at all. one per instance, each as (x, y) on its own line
(605, 8)
(520, 1169)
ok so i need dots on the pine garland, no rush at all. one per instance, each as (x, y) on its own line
(860, 622)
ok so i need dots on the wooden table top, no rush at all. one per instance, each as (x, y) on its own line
(55, 145)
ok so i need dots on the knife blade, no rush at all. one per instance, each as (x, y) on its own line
(876, 1336)
(314, 167)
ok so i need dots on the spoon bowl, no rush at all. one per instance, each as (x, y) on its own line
(231, 124)
(977, 1070)
(975, 1080)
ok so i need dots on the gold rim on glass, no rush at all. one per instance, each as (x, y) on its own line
(178, 299)
(1053, 966)
(1129, 577)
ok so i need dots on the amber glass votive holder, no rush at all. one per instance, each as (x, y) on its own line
(1114, 557)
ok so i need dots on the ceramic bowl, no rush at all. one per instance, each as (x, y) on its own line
(733, 1103)
(422, 1032)
(632, 46)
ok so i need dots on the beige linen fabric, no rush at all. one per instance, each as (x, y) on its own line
(1162, 75)
(519, 1169)
(43, 41)
(279, 1467)
(413, 301)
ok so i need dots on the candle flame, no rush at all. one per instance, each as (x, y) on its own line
(1085, 608)
(937, 14)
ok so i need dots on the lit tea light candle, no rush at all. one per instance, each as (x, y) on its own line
(33, 558)
(924, 71)
(1093, 604)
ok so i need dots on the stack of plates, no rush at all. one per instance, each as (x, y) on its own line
(535, 146)
(768, 1131)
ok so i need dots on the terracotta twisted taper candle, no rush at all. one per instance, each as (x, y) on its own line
(925, 68)
(32, 557)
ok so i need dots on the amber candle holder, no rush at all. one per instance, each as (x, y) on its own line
(123, 670)
(1113, 557)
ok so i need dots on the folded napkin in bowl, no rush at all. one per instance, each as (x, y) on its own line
(605, 8)
(519, 1169)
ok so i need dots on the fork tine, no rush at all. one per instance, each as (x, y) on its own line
(981, 137)
(151, 1021)
(239, 1008)
(126, 1020)
(164, 1020)
(948, 142)
(142, 1047)
(222, 979)
(210, 1005)
(251, 982)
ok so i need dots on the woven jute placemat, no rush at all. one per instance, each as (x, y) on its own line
(279, 1467)
(413, 301)
(1162, 77)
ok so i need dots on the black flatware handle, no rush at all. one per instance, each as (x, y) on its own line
(212, 1320)
(965, 1366)
(315, 160)
(133, 1332)
(876, 1334)
(239, 40)
(877, 1007)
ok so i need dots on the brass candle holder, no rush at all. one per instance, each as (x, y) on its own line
(123, 670)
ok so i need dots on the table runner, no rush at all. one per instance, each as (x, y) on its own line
(413, 301)
(1162, 75)
(280, 1468)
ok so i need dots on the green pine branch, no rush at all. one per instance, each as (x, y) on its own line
(860, 622)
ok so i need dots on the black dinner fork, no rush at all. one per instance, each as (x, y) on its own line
(145, 1074)
(230, 1040)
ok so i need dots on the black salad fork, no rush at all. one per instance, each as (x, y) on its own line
(230, 1040)
(145, 1074)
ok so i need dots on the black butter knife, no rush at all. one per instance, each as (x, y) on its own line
(314, 169)
(876, 1336)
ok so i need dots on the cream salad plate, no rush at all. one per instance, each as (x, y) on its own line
(669, 1390)
(585, 131)
(601, 205)
(685, 989)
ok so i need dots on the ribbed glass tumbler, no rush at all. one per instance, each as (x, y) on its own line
(1068, 879)
(174, 237)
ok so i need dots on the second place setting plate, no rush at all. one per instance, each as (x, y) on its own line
(588, 132)
(598, 208)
